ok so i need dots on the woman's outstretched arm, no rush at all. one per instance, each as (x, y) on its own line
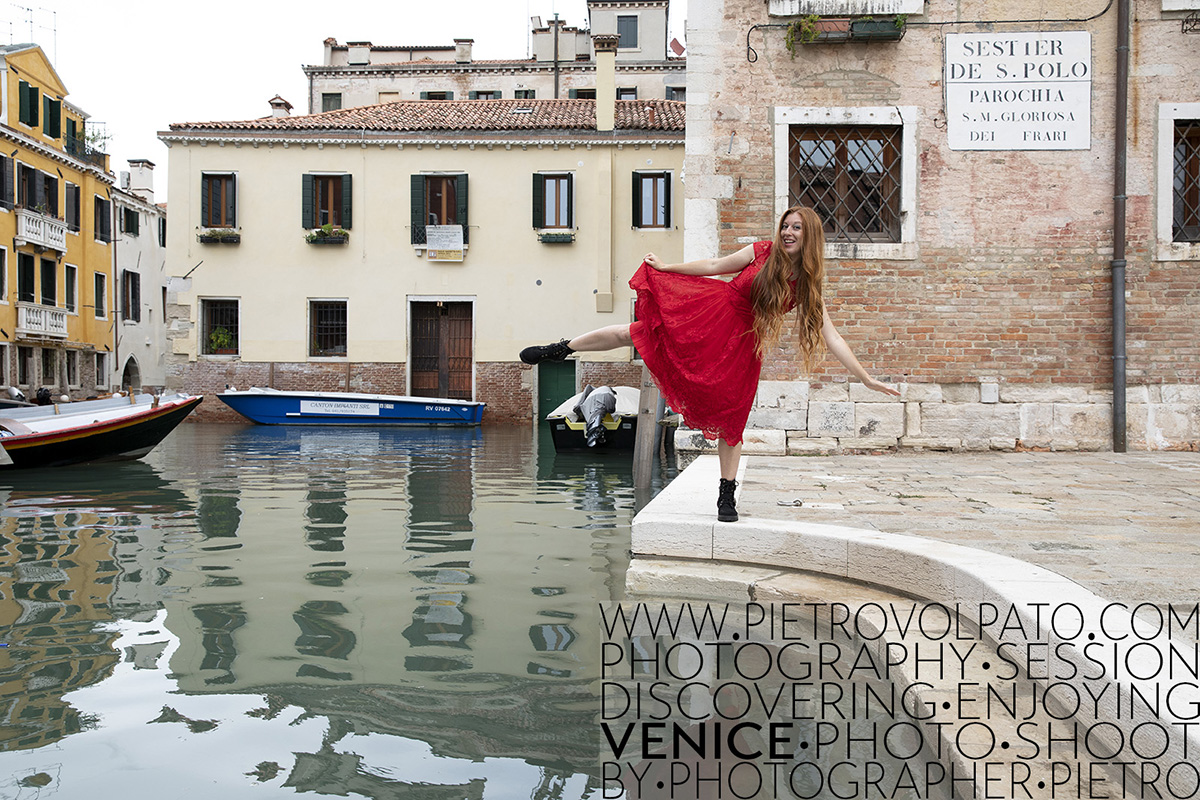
(842, 352)
(734, 262)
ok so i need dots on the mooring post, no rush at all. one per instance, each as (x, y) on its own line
(647, 430)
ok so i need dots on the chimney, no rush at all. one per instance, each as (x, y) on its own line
(280, 107)
(359, 53)
(141, 178)
(329, 43)
(606, 81)
(462, 50)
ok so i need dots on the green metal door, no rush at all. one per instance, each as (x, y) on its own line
(556, 382)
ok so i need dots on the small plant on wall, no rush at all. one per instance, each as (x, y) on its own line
(221, 342)
(327, 234)
(803, 31)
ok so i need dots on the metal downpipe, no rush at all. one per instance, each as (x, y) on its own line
(1118, 260)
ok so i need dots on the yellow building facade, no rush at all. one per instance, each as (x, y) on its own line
(57, 294)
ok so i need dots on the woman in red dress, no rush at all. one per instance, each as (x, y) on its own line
(703, 340)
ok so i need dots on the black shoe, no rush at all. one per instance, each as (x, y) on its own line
(726, 508)
(546, 352)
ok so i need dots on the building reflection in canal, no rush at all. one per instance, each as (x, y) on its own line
(436, 586)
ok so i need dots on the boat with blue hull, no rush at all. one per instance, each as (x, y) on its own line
(277, 407)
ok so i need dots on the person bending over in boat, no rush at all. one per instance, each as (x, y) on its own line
(704, 340)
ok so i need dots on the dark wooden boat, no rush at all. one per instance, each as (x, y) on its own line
(568, 428)
(113, 429)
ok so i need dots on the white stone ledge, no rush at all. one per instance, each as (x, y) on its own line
(680, 522)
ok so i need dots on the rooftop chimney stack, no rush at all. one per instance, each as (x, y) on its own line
(358, 53)
(462, 50)
(280, 107)
(606, 81)
(141, 178)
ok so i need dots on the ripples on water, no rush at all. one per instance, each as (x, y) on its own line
(259, 611)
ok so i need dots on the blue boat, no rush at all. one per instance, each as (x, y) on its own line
(275, 407)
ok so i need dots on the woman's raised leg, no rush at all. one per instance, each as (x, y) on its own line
(609, 338)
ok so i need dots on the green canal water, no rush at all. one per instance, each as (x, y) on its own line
(259, 612)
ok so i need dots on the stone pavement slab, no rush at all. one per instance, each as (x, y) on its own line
(1124, 525)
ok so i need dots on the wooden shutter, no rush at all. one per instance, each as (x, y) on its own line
(417, 200)
(637, 200)
(205, 190)
(472, 95)
(570, 200)
(573, 94)
(424, 95)
(460, 191)
(666, 200)
(308, 216)
(539, 200)
(231, 202)
(346, 204)
(23, 110)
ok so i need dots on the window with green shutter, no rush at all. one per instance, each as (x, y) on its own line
(553, 201)
(438, 200)
(28, 103)
(651, 200)
(51, 117)
(218, 200)
(325, 200)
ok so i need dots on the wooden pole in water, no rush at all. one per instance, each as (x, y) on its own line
(647, 428)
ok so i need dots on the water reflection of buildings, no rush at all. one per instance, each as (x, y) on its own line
(58, 589)
(403, 582)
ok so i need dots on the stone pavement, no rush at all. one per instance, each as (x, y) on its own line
(1124, 525)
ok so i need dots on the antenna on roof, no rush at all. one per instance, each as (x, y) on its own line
(53, 32)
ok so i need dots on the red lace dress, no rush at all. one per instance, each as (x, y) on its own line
(696, 336)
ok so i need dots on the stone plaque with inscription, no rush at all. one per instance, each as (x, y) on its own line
(1019, 91)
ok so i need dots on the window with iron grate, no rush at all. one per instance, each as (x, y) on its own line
(327, 328)
(219, 327)
(851, 176)
(1185, 219)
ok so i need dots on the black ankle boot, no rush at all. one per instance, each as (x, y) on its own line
(726, 507)
(546, 352)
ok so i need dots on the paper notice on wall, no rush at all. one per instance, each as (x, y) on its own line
(443, 243)
(1019, 91)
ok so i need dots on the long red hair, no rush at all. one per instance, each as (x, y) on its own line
(772, 294)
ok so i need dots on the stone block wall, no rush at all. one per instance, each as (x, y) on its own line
(801, 418)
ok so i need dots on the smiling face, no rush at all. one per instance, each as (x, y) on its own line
(790, 234)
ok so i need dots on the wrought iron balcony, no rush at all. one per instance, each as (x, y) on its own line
(40, 230)
(35, 320)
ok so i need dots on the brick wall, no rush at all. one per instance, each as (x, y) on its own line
(507, 388)
(212, 376)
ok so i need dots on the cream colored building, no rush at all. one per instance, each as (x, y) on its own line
(543, 192)
(561, 64)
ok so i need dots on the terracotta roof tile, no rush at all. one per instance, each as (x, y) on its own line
(466, 115)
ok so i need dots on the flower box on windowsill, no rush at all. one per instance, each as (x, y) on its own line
(889, 29)
(327, 234)
(556, 238)
(219, 237)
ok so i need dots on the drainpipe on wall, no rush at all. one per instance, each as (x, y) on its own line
(606, 115)
(556, 56)
(1118, 259)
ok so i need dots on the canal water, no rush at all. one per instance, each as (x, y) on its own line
(257, 612)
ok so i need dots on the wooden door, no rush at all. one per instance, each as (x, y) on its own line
(442, 355)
